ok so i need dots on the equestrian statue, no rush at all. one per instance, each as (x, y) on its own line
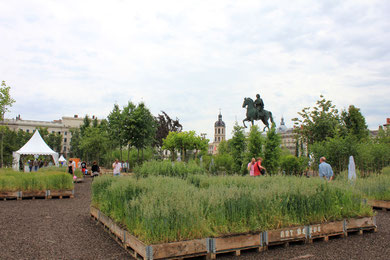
(255, 111)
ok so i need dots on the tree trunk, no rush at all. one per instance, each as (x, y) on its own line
(142, 152)
(137, 155)
(2, 137)
(128, 157)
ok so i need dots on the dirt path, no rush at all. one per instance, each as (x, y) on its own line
(62, 229)
(54, 229)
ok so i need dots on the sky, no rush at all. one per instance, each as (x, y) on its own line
(193, 59)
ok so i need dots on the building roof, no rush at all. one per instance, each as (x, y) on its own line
(282, 128)
(219, 123)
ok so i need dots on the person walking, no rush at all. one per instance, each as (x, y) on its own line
(325, 170)
(117, 167)
(251, 167)
(70, 167)
(258, 169)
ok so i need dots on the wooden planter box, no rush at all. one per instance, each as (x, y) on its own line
(382, 204)
(210, 247)
(47, 194)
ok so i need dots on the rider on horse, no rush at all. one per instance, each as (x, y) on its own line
(259, 105)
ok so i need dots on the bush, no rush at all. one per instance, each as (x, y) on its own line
(292, 165)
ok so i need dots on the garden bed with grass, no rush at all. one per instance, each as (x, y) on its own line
(166, 217)
(43, 184)
(376, 189)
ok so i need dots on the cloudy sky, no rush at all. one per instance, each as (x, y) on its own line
(192, 58)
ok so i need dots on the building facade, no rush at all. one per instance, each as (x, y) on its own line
(61, 126)
(219, 135)
(288, 136)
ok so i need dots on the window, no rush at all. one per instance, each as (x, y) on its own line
(52, 132)
(219, 139)
(28, 130)
(215, 139)
(219, 131)
(215, 130)
(59, 132)
(64, 148)
(65, 133)
(222, 130)
(64, 140)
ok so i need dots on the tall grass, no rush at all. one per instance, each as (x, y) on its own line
(35, 181)
(168, 168)
(164, 209)
(375, 186)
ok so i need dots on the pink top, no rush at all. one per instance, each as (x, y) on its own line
(252, 170)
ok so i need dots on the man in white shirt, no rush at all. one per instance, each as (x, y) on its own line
(117, 167)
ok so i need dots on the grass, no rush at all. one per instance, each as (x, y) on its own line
(164, 209)
(48, 179)
(375, 186)
(168, 168)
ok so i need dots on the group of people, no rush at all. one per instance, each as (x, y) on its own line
(34, 165)
(324, 170)
(119, 167)
(95, 169)
(255, 168)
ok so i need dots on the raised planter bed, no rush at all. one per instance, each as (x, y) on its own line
(48, 194)
(210, 247)
(380, 204)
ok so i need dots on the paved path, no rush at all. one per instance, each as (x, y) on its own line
(62, 229)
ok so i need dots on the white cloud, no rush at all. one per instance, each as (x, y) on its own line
(190, 58)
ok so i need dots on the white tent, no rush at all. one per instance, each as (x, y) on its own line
(35, 146)
(62, 159)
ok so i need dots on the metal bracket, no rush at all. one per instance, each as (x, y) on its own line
(308, 234)
(261, 239)
(48, 192)
(98, 214)
(374, 220)
(345, 226)
(124, 236)
(149, 252)
(20, 194)
(265, 238)
(72, 192)
(210, 245)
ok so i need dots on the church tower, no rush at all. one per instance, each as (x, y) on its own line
(220, 130)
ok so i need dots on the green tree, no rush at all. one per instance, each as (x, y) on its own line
(321, 122)
(237, 146)
(95, 142)
(169, 143)
(6, 102)
(75, 150)
(224, 147)
(255, 143)
(355, 123)
(116, 128)
(144, 126)
(272, 150)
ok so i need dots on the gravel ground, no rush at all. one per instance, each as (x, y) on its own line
(62, 229)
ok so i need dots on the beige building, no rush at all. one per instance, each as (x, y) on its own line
(61, 126)
(219, 135)
(288, 137)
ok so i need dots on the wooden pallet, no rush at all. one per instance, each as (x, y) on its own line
(48, 194)
(210, 247)
(380, 204)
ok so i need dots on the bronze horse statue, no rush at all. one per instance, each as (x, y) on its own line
(252, 113)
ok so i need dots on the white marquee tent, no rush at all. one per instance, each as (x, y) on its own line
(35, 146)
